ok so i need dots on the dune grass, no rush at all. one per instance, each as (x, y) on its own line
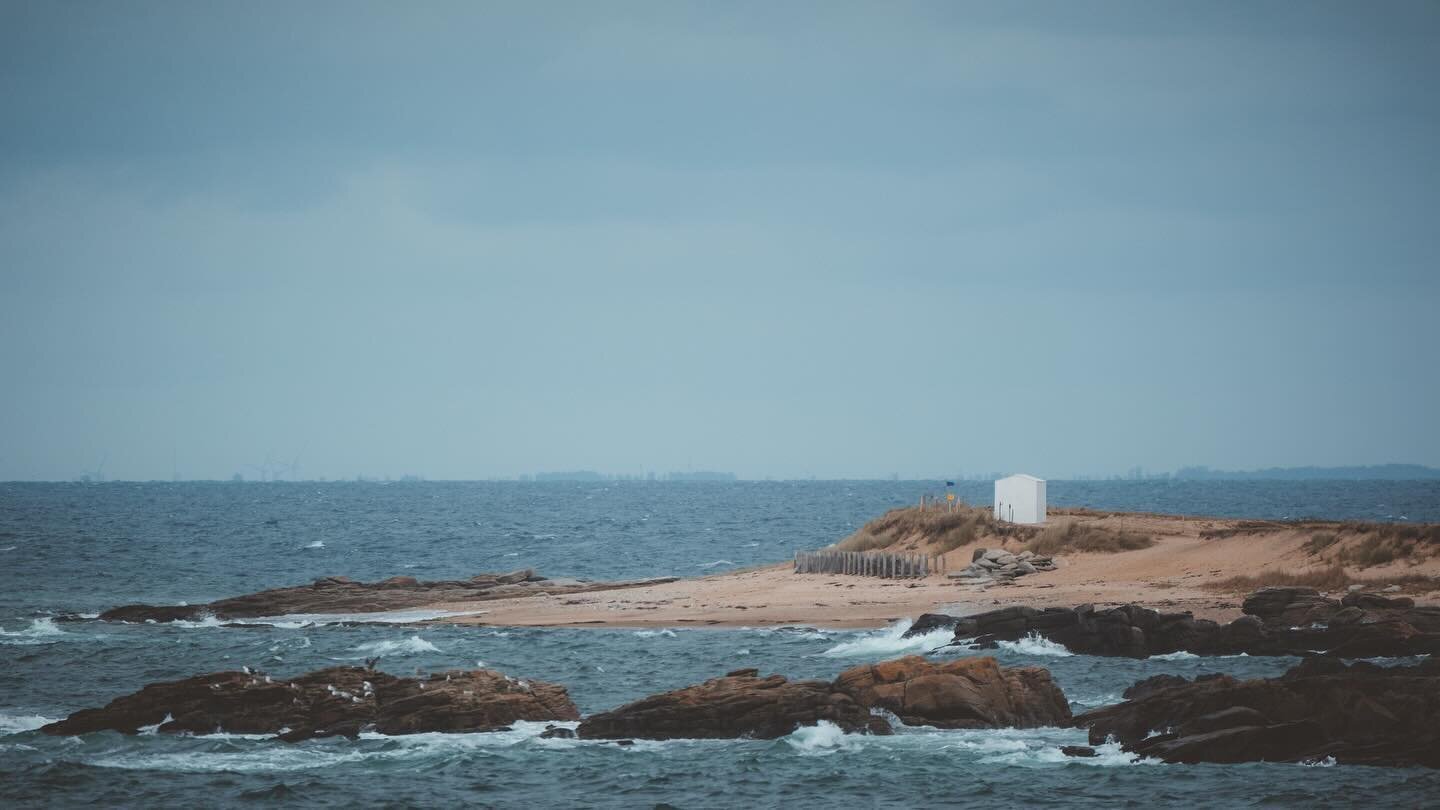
(942, 529)
(1332, 578)
(1077, 537)
(1364, 545)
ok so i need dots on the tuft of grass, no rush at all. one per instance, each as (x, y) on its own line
(1374, 550)
(1076, 537)
(945, 529)
(1320, 541)
(1332, 578)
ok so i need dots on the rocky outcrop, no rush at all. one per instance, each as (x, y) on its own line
(968, 693)
(339, 701)
(741, 704)
(996, 565)
(1360, 714)
(340, 595)
(1359, 626)
(965, 693)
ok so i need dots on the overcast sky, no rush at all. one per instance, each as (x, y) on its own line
(782, 239)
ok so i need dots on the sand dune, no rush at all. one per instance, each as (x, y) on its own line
(1189, 554)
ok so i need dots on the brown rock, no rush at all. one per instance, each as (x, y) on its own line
(337, 701)
(740, 705)
(340, 595)
(965, 693)
(1360, 714)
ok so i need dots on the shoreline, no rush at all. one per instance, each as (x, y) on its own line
(1178, 573)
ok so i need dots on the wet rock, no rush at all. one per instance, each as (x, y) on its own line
(929, 623)
(338, 701)
(965, 693)
(737, 705)
(1077, 751)
(1154, 683)
(557, 733)
(1361, 714)
(339, 595)
(1367, 625)
(1374, 601)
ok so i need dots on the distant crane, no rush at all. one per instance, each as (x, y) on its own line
(96, 475)
(273, 469)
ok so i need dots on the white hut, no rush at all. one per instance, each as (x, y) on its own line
(1020, 499)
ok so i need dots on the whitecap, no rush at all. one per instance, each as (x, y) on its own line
(408, 646)
(41, 631)
(295, 621)
(888, 642)
(1327, 762)
(1036, 644)
(1179, 655)
(203, 621)
(20, 723)
(316, 544)
(822, 739)
(713, 564)
(653, 633)
(1108, 699)
(9, 548)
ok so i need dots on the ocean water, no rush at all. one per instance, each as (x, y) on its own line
(82, 548)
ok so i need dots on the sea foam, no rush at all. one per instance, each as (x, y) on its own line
(408, 646)
(1036, 644)
(889, 642)
(21, 723)
(822, 739)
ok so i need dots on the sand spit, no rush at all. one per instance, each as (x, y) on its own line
(1185, 569)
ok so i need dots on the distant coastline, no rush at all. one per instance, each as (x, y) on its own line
(1376, 472)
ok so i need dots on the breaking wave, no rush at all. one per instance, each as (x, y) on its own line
(1036, 644)
(40, 631)
(822, 739)
(408, 646)
(1179, 655)
(889, 641)
(20, 723)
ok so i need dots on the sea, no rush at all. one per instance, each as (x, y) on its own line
(78, 548)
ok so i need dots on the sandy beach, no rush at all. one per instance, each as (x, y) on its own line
(1189, 554)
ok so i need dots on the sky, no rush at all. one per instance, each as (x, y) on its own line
(472, 240)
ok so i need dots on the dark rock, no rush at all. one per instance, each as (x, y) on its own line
(1289, 607)
(557, 732)
(1361, 714)
(339, 595)
(1279, 621)
(336, 701)
(964, 693)
(929, 623)
(1077, 751)
(1154, 683)
(734, 706)
(1374, 601)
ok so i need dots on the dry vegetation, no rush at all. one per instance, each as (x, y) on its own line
(1331, 578)
(1369, 544)
(1077, 537)
(941, 529)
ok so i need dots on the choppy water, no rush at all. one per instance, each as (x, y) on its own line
(83, 548)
